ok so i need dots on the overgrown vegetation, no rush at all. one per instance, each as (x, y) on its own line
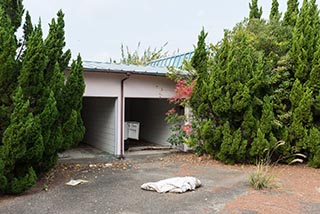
(259, 85)
(261, 178)
(137, 58)
(39, 109)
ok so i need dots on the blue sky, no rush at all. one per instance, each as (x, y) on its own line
(97, 28)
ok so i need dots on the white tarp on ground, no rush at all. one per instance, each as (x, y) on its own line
(176, 185)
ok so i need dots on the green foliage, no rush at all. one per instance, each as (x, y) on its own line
(72, 125)
(259, 86)
(199, 62)
(275, 15)
(255, 11)
(176, 119)
(21, 184)
(305, 40)
(27, 27)
(31, 78)
(314, 146)
(14, 11)
(135, 58)
(22, 142)
(39, 112)
(233, 147)
(259, 145)
(8, 70)
(291, 14)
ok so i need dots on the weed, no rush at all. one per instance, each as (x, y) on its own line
(45, 187)
(261, 178)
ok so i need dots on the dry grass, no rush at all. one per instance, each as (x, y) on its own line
(262, 178)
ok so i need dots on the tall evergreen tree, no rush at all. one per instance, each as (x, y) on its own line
(8, 70)
(275, 15)
(291, 14)
(255, 11)
(305, 39)
(31, 79)
(14, 11)
(72, 125)
(54, 43)
(44, 115)
(200, 62)
(21, 141)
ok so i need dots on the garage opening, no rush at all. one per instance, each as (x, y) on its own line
(148, 116)
(99, 117)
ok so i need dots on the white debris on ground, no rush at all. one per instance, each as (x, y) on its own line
(106, 165)
(76, 182)
(175, 185)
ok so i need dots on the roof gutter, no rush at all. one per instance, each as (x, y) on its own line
(122, 116)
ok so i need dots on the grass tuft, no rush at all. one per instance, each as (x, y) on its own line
(261, 178)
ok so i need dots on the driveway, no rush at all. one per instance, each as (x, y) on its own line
(116, 188)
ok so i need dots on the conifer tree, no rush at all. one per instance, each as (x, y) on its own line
(304, 41)
(291, 14)
(255, 11)
(44, 115)
(31, 79)
(52, 140)
(21, 142)
(27, 27)
(313, 82)
(275, 15)
(54, 43)
(14, 11)
(199, 62)
(8, 70)
(72, 126)
(314, 145)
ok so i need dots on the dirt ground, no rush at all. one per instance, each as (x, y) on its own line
(298, 192)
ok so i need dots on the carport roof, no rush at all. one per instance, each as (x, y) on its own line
(123, 68)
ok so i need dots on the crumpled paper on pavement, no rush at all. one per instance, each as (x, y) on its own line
(175, 185)
(76, 182)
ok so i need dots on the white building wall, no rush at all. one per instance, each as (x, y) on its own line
(155, 129)
(139, 86)
(100, 121)
(102, 84)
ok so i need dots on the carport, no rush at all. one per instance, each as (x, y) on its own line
(116, 93)
(150, 113)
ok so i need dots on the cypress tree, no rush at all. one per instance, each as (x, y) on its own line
(200, 63)
(52, 142)
(8, 70)
(275, 15)
(21, 142)
(314, 146)
(304, 41)
(27, 27)
(31, 78)
(44, 115)
(255, 11)
(313, 81)
(14, 11)
(54, 43)
(301, 120)
(233, 147)
(72, 126)
(261, 87)
(260, 145)
(291, 14)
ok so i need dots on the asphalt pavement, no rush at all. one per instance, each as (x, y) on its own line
(117, 190)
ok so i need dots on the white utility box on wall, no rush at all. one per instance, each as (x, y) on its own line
(131, 130)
